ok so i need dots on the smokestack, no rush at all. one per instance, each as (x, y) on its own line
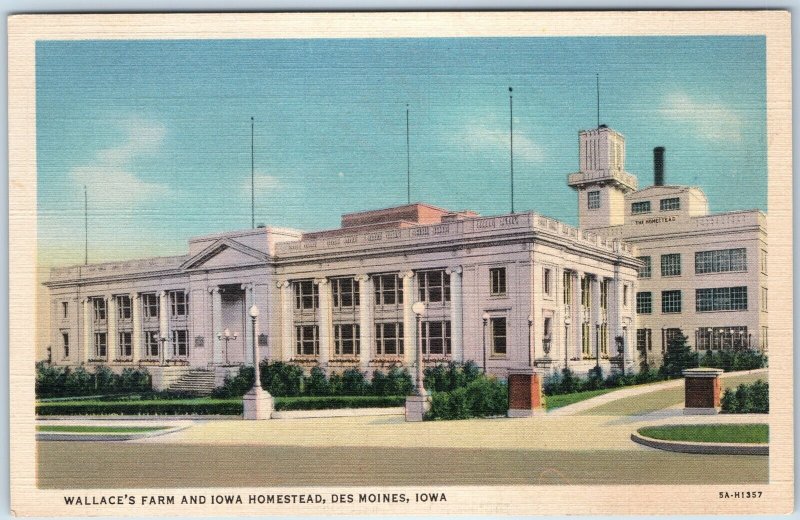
(658, 166)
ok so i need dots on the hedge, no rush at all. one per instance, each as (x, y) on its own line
(753, 398)
(483, 397)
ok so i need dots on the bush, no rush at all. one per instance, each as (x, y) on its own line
(238, 385)
(54, 381)
(317, 383)
(752, 398)
(396, 382)
(450, 376)
(50, 380)
(482, 397)
(281, 379)
(678, 357)
(338, 402)
(734, 360)
(354, 383)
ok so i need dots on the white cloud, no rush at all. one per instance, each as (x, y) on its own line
(263, 183)
(479, 136)
(710, 120)
(110, 178)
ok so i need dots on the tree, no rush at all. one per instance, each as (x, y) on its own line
(679, 356)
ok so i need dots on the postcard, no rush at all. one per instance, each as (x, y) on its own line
(401, 263)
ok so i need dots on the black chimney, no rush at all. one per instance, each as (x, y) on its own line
(658, 166)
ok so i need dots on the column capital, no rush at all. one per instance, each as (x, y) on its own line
(406, 274)
(456, 269)
(162, 294)
(213, 289)
(248, 286)
(361, 277)
(282, 284)
(320, 281)
(134, 295)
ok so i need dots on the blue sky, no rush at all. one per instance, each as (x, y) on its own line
(159, 131)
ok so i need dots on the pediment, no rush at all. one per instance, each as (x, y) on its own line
(225, 253)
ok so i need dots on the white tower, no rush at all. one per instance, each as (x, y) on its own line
(602, 181)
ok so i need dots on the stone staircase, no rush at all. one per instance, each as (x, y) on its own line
(197, 382)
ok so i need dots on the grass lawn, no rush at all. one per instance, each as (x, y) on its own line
(552, 402)
(741, 433)
(98, 429)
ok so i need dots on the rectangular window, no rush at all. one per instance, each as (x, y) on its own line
(644, 302)
(100, 344)
(644, 340)
(645, 271)
(586, 340)
(763, 298)
(151, 343)
(497, 333)
(180, 343)
(722, 338)
(436, 338)
(307, 340)
(670, 302)
(763, 262)
(624, 295)
(721, 299)
(670, 204)
(125, 345)
(123, 307)
(593, 198)
(388, 289)
(637, 208)
(99, 307)
(150, 305)
(567, 287)
(306, 295)
(497, 278)
(670, 335)
(764, 344)
(603, 338)
(586, 291)
(547, 281)
(604, 295)
(179, 303)
(345, 293)
(65, 310)
(671, 264)
(434, 286)
(347, 339)
(65, 343)
(389, 339)
(720, 261)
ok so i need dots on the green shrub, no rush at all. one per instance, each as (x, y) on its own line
(281, 379)
(482, 397)
(730, 360)
(396, 382)
(238, 385)
(52, 381)
(354, 383)
(753, 398)
(678, 357)
(338, 402)
(79, 382)
(316, 383)
(446, 377)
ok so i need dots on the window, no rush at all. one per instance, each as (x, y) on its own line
(547, 281)
(721, 299)
(65, 310)
(345, 292)
(497, 278)
(306, 295)
(644, 340)
(603, 338)
(763, 298)
(125, 345)
(180, 343)
(497, 333)
(637, 208)
(388, 290)
(586, 340)
(722, 338)
(179, 303)
(594, 199)
(567, 287)
(151, 343)
(670, 302)
(100, 344)
(434, 286)
(307, 340)
(436, 338)
(764, 344)
(763, 263)
(347, 340)
(99, 306)
(645, 271)
(670, 204)
(123, 307)
(720, 261)
(150, 305)
(624, 295)
(671, 264)
(586, 291)
(644, 302)
(670, 335)
(604, 295)
(65, 343)
(389, 339)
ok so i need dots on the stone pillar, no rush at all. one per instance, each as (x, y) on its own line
(702, 391)
(287, 320)
(136, 324)
(456, 314)
(577, 315)
(163, 325)
(216, 325)
(409, 321)
(87, 329)
(365, 294)
(111, 328)
(524, 393)
(248, 341)
(325, 322)
(594, 349)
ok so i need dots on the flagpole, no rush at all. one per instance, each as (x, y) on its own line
(408, 160)
(85, 226)
(252, 176)
(597, 85)
(511, 132)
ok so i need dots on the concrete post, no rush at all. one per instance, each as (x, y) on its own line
(216, 325)
(456, 314)
(365, 292)
(702, 391)
(111, 328)
(409, 350)
(287, 320)
(325, 322)
(136, 324)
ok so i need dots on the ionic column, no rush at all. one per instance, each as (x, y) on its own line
(216, 325)
(136, 333)
(163, 325)
(595, 316)
(365, 294)
(287, 320)
(577, 315)
(409, 320)
(456, 314)
(325, 321)
(248, 341)
(87, 329)
(111, 327)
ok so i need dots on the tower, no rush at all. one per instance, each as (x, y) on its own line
(602, 181)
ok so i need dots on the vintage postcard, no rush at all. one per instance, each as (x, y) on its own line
(401, 263)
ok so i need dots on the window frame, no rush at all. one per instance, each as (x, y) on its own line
(100, 345)
(498, 281)
(670, 305)
(302, 340)
(669, 204)
(99, 309)
(178, 309)
(151, 305)
(124, 303)
(125, 339)
(444, 338)
(152, 344)
(381, 339)
(670, 268)
(494, 321)
(426, 289)
(721, 299)
(381, 291)
(715, 260)
(65, 343)
(641, 303)
(647, 270)
(177, 344)
(339, 341)
(593, 199)
(339, 294)
(641, 207)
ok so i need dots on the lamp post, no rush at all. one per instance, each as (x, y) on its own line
(162, 352)
(622, 346)
(567, 322)
(257, 402)
(227, 336)
(485, 323)
(256, 357)
(531, 345)
(597, 346)
(663, 340)
(419, 309)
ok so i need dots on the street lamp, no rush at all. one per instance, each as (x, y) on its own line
(485, 322)
(419, 308)
(163, 352)
(531, 355)
(597, 346)
(227, 336)
(256, 357)
(567, 323)
(622, 346)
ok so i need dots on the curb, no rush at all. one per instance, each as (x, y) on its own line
(337, 412)
(702, 448)
(67, 436)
